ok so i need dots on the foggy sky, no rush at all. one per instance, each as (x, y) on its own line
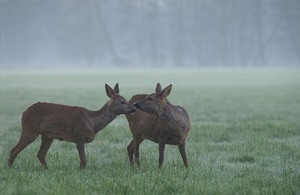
(149, 33)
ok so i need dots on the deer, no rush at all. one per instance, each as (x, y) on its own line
(69, 123)
(157, 120)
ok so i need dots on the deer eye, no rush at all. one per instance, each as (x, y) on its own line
(150, 98)
(122, 102)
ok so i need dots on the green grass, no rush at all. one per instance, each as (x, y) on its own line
(244, 138)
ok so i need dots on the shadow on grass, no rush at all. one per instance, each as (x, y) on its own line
(242, 159)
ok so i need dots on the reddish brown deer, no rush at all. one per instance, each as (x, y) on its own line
(69, 123)
(156, 119)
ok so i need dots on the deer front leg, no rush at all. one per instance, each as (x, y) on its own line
(136, 144)
(161, 153)
(130, 149)
(182, 153)
(136, 148)
(80, 149)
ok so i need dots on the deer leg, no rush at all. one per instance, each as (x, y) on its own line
(137, 153)
(130, 149)
(182, 153)
(46, 143)
(80, 149)
(136, 144)
(161, 153)
(23, 142)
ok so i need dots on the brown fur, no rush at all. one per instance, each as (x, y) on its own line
(159, 121)
(69, 123)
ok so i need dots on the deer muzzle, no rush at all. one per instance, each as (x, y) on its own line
(133, 110)
(136, 105)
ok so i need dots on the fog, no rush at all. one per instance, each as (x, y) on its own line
(149, 33)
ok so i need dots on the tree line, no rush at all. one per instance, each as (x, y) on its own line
(150, 33)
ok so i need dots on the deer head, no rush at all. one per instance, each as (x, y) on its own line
(117, 103)
(155, 102)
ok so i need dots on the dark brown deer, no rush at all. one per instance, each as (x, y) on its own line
(69, 123)
(156, 119)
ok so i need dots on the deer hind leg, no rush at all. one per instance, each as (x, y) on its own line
(24, 141)
(182, 153)
(130, 149)
(46, 143)
(161, 153)
(80, 149)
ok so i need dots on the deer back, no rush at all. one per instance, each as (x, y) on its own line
(58, 121)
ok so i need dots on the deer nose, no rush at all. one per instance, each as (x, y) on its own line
(133, 110)
(136, 105)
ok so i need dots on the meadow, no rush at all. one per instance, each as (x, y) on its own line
(244, 137)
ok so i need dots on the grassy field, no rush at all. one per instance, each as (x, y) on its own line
(244, 139)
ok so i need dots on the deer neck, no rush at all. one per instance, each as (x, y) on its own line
(101, 118)
(171, 118)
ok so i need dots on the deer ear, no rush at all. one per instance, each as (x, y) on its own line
(158, 88)
(109, 91)
(165, 92)
(116, 89)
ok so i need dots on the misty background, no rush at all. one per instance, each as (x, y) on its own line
(149, 33)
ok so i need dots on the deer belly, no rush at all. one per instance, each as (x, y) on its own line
(171, 139)
(149, 133)
(57, 132)
(62, 136)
